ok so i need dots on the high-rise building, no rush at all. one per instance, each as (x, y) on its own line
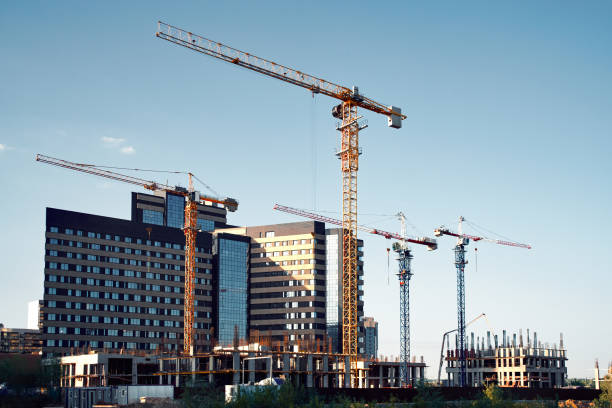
(371, 337)
(333, 247)
(119, 284)
(287, 281)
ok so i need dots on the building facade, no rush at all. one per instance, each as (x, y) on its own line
(287, 281)
(25, 341)
(371, 337)
(118, 284)
(333, 247)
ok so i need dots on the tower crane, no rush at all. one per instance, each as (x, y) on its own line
(192, 197)
(346, 111)
(462, 241)
(404, 274)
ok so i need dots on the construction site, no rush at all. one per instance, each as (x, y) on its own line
(179, 296)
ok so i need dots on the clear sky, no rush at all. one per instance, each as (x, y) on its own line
(509, 124)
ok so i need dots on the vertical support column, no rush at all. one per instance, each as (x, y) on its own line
(286, 366)
(326, 369)
(309, 371)
(211, 369)
(347, 372)
(236, 367)
(178, 369)
(251, 369)
(193, 369)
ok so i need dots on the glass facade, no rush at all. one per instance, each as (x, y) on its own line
(332, 290)
(233, 289)
(175, 211)
(206, 225)
(152, 217)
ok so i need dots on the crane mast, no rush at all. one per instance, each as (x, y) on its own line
(404, 258)
(349, 128)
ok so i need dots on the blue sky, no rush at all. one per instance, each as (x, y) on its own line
(509, 125)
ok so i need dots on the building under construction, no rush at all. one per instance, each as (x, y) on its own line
(510, 363)
(311, 366)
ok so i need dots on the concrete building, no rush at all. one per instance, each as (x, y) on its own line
(286, 281)
(119, 284)
(24, 341)
(371, 337)
(511, 363)
(99, 369)
(333, 247)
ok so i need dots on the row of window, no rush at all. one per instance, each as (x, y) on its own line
(114, 284)
(117, 238)
(284, 272)
(109, 344)
(124, 296)
(97, 332)
(284, 243)
(299, 293)
(287, 263)
(274, 284)
(124, 309)
(286, 253)
(302, 315)
(115, 320)
(286, 305)
(291, 326)
(108, 248)
(110, 271)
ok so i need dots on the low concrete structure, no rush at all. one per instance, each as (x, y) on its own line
(106, 369)
(511, 363)
(312, 369)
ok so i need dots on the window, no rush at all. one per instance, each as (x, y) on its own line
(206, 225)
(269, 234)
(175, 206)
(53, 229)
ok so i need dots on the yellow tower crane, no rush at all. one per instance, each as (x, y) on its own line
(349, 128)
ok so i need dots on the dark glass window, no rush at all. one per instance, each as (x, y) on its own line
(232, 290)
(175, 207)
(152, 217)
(206, 225)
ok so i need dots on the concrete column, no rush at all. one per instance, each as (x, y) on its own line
(325, 368)
(134, 372)
(380, 376)
(286, 366)
(309, 371)
(251, 367)
(211, 368)
(347, 372)
(269, 366)
(236, 367)
(178, 368)
(193, 369)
